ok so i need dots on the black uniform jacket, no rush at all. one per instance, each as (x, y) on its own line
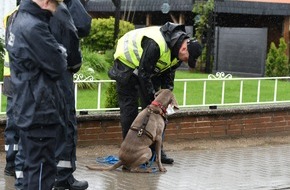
(37, 62)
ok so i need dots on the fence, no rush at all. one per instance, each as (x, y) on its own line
(228, 91)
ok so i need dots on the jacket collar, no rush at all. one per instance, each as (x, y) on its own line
(32, 8)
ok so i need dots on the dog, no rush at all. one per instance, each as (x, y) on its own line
(146, 129)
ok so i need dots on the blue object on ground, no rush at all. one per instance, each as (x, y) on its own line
(108, 159)
(114, 159)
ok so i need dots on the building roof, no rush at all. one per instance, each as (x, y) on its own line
(139, 5)
(269, 1)
(254, 7)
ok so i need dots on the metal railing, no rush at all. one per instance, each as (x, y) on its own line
(279, 90)
(220, 79)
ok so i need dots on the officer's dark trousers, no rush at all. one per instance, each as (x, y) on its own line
(67, 160)
(11, 135)
(39, 147)
(128, 101)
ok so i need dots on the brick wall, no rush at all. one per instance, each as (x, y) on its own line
(196, 123)
(104, 128)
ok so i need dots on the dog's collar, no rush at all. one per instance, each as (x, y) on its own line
(158, 104)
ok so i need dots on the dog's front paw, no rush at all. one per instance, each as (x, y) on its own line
(162, 169)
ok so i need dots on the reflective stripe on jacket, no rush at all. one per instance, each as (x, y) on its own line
(129, 49)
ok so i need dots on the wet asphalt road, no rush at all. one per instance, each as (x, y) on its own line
(240, 168)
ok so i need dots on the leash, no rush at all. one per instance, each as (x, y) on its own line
(152, 159)
(154, 153)
(144, 166)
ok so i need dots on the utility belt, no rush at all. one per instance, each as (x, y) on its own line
(121, 72)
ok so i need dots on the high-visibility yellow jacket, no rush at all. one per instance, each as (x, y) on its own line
(6, 68)
(129, 49)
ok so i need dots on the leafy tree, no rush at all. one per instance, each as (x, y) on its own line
(202, 10)
(203, 31)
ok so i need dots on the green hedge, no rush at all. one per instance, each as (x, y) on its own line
(101, 36)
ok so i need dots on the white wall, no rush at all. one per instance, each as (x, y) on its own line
(6, 6)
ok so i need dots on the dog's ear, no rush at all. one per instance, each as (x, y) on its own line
(158, 92)
(174, 103)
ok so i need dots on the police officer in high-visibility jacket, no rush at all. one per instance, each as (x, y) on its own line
(13, 147)
(11, 133)
(146, 60)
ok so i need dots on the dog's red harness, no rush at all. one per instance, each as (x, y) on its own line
(142, 129)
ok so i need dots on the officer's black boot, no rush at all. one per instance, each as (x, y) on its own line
(9, 171)
(165, 159)
(71, 184)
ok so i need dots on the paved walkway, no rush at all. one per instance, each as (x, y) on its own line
(248, 168)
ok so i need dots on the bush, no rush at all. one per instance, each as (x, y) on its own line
(101, 36)
(277, 63)
(97, 61)
(98, 53)
(101, 39)
(93, 64)
(112, 98)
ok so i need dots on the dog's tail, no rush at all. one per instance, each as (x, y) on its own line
(100, 168)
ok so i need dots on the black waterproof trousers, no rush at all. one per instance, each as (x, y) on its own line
(128, 96)
(40, 144)
(67, 159)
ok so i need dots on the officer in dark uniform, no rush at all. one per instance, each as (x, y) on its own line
(37, 62)
(68, 33)
(146, 60)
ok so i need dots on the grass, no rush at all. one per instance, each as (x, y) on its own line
(232, 91)
(87, 99)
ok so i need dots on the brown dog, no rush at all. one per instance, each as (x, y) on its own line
(146, 129)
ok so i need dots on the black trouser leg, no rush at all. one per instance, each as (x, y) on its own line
(128, 102)
(11, 135)
(39, 146)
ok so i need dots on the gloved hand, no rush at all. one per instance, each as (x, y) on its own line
(62, 50)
